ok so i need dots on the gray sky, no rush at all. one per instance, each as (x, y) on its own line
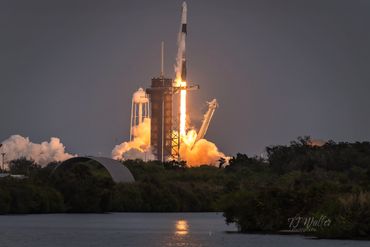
(279, 69)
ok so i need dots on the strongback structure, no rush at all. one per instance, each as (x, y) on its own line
(160, 93)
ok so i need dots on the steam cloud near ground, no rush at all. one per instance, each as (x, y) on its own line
(139, 147)
(195, 154)
(16, 147)
(202, 152)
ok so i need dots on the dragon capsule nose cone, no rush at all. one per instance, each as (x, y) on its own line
(184, 13)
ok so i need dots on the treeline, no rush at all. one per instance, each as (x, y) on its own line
(87, 187)
(319, 190)
(31, 195)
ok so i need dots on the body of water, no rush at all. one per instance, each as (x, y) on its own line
(142, 230)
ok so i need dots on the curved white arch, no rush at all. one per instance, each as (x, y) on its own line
(118, 172)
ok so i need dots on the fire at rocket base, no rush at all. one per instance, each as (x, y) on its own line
(180, 69)
(194, 149)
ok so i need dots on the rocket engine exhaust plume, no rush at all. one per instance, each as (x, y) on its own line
(180, 68)
(200, 152)
(195, 151)
(16, 147)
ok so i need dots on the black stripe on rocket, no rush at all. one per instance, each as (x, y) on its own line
(183, 28)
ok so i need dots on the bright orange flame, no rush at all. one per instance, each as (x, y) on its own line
(202, 152)
(183, 110)
(189, 138)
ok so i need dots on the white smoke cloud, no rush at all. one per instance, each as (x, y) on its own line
(134, 153)
(202, 152)
(16, 147)
(139, 147)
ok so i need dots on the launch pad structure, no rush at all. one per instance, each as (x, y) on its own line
(164, 130)
(167, 128)
(161, 99)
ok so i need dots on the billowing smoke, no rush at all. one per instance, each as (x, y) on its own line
(202, 152)
(139, 147)
(194, 152)
(16, 147)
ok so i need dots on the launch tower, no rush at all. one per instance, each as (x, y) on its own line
(165, 136)
(160, 93)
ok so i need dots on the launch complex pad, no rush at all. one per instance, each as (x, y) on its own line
(167, 115)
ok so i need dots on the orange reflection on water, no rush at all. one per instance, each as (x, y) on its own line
(182, 227)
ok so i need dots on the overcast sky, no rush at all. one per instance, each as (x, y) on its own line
(279, 69)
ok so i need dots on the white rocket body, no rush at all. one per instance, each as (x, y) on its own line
(181, 53)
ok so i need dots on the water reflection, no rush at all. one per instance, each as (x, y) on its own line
(182, 227)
